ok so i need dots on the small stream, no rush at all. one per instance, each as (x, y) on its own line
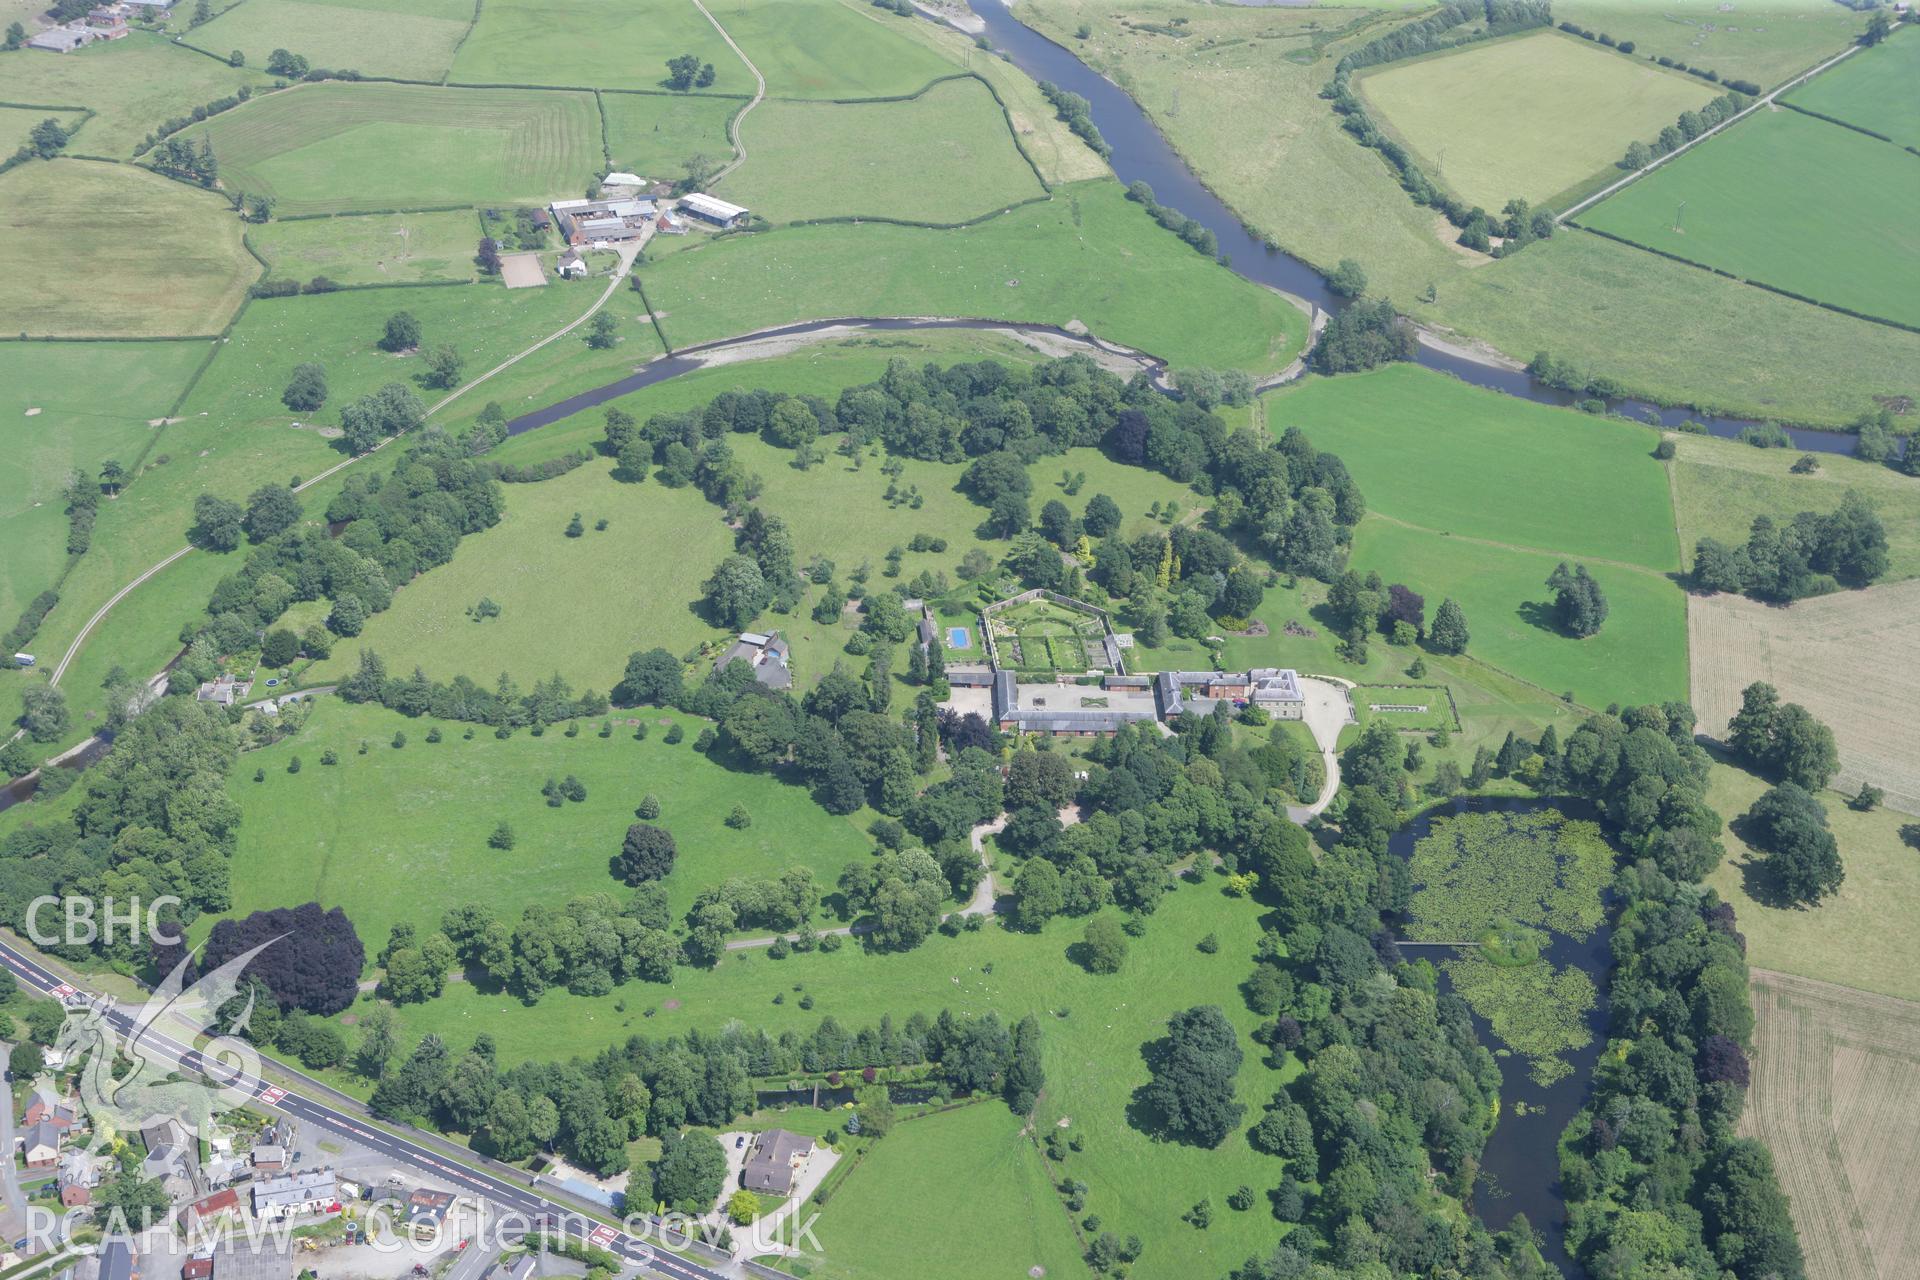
(1520, 1167)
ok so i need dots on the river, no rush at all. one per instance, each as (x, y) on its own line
(1142, 153)
(1520, 1167)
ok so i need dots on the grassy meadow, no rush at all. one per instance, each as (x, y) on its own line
(341, 148)
(410, 40)
(131, 84)
(830, 49)
(1766, 41)
(17, 122)
(1581, 103)
(888, 159)
(655, 134)
(1011, 1216)
(1088, 255)
(1719, 486)
(66, 269)
(352, 834)
(588, 43)
(1872, 89)
(394, 248)
(1667, 330)
(1861, 936)
(1434, 452)
(1788, 201)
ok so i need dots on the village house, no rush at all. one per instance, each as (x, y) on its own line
(712, 209)
(118, 1261)
(427, 1210)
(208, 1210)
(198, 1267)
(776, 1158)
(766, 653)
(269, 1157)
(40, 1145)
(571, 265)
(77, 1178)
(45, 1106)
(109, 20)
(224, 690)
(288, 1195)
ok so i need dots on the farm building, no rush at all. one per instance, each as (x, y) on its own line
(714, 210)
(620, 178)
(766, 653)
(611, 221)
(109, 20)
(239, 1258)
(668, 224)
(66, 39)
(776, 1157)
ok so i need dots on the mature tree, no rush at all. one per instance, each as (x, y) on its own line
(1449, 631)
(488, 256)
(737, 592)
(279, 648)
(1789, 826)
(47, 138)
(443, 367)
(402, 332)
(307, 389)
(1784, 740)
(603, 332)
(1039, 893)
(689, 1171)
(1580, 607)
(1348, 280)
(652, 677)
(218, 525)
(43, 712)
(271, 509)
(1102, 517)
(1025, 1076)
(311, 958)
(1745, 1214)
(1879, 27)
(1191, 1089)
(1104, 945)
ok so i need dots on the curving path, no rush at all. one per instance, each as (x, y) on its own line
(1329, 710)
(759, 93)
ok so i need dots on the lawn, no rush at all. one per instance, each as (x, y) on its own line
(1088, 255)
(1766, 41)
(66, 269)
(1432, 451)
(1872, 89)
(1664, 329)
(1860, 937)
(358, 833)
(1010, 1217)
(340, 148)
(1785, 200)
(1640, 655)
(621, 44)
(1093, 1028)
(412, 40)
(830, 49)
(945, 156)
(395, 248)
(133, 84)
(1719, 486)
(1581, 103)
(655, 134)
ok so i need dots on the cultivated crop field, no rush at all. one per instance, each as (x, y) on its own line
(1581, 103)
(68, 270)
(339, 148)
(1088, 255)
(1852, 658)
(1719, 486)
(132, 84)
(409, 39)
(888, 159)
(593, 43)
(1872, 89)
(1785, 200)
(1862, 936)
(1836, 1096)
(399, 248)
(1432, 451)
(330, 832)
(655, 134)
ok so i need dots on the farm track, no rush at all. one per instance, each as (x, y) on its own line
(1627, 565)
(759, 94)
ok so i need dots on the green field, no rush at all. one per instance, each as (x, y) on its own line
(1664, 329)
(944, 156)
(1719, 486)
(1860, 937)
(67, 268)
(1434, 452)
(133, 84)
(397, 248)
(1087, 255)
(618, 44)
(1766, 41)
(340, 148)
(1639, 656)
(1581, 105)
(655, 134)
(413, 40)
(17, 122)
(1872, 89)
(830, 49)
(1010, 1215)
(352, 834)
(1789, 201)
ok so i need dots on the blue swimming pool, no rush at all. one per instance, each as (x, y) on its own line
(959, 638)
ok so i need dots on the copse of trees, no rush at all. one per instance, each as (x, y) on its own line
(687, 71)
(1077, 114)
(1782, 741)
(1362, 335)
(1812, 554)
(1788, 824)
(311, 961)
(1579, 605)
